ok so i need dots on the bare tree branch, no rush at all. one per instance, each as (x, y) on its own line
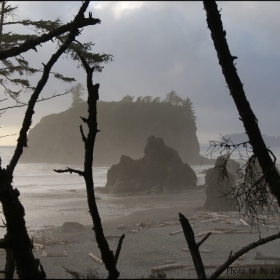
(28, 267)
(75, 274)
(83, 135)
(203, 239)
(32, 43)
(93, 96)
(119, 248)
(251, 195)
(70, 170)
(42, 99)
(22, 140)
(241, 252)
(189, 235)
(247, 116)
(8, 135)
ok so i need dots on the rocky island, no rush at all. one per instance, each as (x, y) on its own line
(124, 128)
(160, 170)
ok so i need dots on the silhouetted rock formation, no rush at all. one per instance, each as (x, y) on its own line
(232, 166)
(71, 227)
(124, 129)
(218, 185)
(161, 169)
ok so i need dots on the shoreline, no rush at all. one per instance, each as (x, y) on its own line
(56, 207)
(145, 247)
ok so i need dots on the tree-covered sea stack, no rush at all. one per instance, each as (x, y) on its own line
(124, 128)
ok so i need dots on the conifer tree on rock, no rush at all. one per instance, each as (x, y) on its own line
(77, 91)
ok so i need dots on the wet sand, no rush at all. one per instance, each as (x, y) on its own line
(145, 248)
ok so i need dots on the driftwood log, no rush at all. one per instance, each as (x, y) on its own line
(95, 258)
(62, 254)
(168, 267)
(176, 232)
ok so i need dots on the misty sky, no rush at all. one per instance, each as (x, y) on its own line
(164, 46)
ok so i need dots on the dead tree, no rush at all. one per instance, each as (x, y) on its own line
(194, 249)
(33, 43)
(109, 259)
(16, 238)
(271, 175)
(193, 246)
(247, 116)
(251, 195)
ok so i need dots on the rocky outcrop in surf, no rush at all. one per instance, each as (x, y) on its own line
(160, 170)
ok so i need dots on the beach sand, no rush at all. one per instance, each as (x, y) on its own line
(144, 249)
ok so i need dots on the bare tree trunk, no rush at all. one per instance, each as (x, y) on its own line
(107, 255)
(194, 249)
(10, 265)
(193, 246)
(272, 177)
(247, 116)
(93, 96)
(2, 21)
(17, 236)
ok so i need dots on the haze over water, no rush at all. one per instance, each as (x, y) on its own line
(40, 177)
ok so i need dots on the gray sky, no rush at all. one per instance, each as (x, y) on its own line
(164, 46)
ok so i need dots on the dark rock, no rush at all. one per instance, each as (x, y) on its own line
(217, 186)
(234, 168)
(161, 169)
(71, 227)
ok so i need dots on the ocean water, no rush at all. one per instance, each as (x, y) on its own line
(40, 177)
(47, 200)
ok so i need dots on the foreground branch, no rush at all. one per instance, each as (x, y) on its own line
(119, 248)
(247, 116)
(107, 255)
(8, 135)
(241, 252)
(193, 246)
(70, 170)
(22, 140)
(20, 245)
(32, 43)
(42, 99)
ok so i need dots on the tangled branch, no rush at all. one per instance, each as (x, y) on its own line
(39, 100)
(251, 195)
